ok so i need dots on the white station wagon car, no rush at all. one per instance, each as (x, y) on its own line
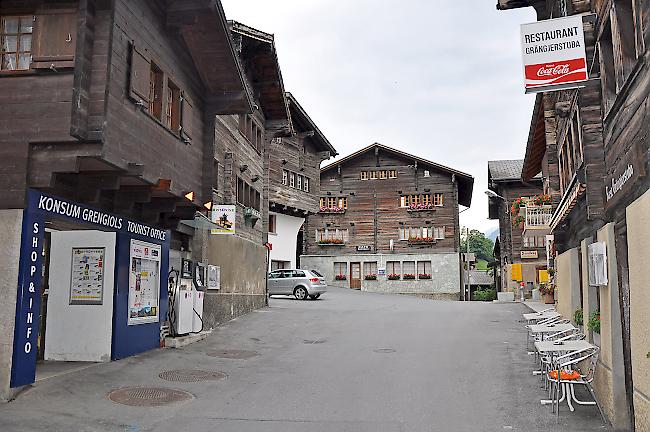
(302, 284)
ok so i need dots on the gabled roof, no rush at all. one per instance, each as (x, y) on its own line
(261, 63)
(536, 146)
(505, 170)
(303, 123)
(465, 181)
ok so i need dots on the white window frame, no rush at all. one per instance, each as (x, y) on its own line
(285, 177)
(305, 184)
(292, 180)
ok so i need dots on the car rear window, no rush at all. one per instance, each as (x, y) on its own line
(297, 273)
(316, 273)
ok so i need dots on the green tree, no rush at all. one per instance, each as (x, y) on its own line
(479, 245)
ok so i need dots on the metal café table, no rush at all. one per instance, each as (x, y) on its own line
(549, 328)
(536, 316)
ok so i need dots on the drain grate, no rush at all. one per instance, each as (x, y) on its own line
(385, 351)
(148, 396)
(191, 375)
(314, 342)
(234, 354)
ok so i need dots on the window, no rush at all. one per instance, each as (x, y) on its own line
(343, 203)
(172, 110)
(292, 180)
(415, 199)
(570, 152)
(393, 268)
(424, 268)
(322, 202)
(275, 265)
(272, 223)
(340, 269)
(331, 202)
(427, 173)
(439, 233)
(438, 200)
(373, 175)
(155, 91)
(16, 40)
(404, 201)
(370, 268)
(534, 242)
(408, 267)
(251, 131)
(305, 184)
(332, 236)
(364, 175)
(383, 175)
(298, 274)
(426, 199)
(299, 184)
(392, 174)
(240, 191)
(285, 177)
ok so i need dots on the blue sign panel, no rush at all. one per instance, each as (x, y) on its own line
(127, 341)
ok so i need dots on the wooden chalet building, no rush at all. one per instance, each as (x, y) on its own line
(522, 231)
(388, 222)
(121, 119)
(591, 147)
(294, 185)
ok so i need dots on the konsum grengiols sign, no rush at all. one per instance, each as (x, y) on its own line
(554, 54)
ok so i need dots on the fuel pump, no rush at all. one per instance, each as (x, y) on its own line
(184, 300)
(198, 296)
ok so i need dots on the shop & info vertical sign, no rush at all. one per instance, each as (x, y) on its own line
(554, 54)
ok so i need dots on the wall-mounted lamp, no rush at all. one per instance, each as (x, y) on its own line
(243, 167)
(329, 193)
(351, 223)
(284, 161)
(353, 193)
(255, 178)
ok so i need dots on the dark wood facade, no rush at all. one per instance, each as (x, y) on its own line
(373, 213)
(297, 156)
(81, 122)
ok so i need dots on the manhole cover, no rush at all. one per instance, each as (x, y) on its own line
(148, 396)
(385, 351)
(314, 342)
(191, 375)
(234, 354)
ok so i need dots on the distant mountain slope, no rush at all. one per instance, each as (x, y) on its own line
(492, 234)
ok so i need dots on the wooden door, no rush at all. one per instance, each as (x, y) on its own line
(355, 276)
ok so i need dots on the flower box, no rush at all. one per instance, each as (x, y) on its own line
(331, 210)
(371, 277)
(421, 240)
(341, 277)
(331, 242)
(394, 277)
(409, 277)
(424, 276)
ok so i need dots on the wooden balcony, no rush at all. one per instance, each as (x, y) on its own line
(537, 219)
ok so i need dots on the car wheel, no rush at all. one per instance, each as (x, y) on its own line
(314, 296)
(300, 293)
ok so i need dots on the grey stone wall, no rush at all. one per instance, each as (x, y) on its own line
(10, 233)
(243, 279)
(444, 283)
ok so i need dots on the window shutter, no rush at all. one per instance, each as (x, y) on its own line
(54, 40)
(187, 117)
(139, 87)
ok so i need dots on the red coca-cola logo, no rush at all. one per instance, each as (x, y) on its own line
(557, 70)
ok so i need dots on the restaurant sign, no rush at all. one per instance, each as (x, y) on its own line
(626, 172)
(554, 54)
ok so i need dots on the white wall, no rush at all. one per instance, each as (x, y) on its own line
(78, 332)
(284, 240)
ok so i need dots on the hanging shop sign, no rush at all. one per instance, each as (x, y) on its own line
(529, 254)
(554, 54)
(144, 282)
(224, 216)
(87, 279)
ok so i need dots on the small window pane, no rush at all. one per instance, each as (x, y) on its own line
(9, 62)
(10, 25)
(23, 61)
(10, 44)
(26, 24)
(25, 43)
(409, 267)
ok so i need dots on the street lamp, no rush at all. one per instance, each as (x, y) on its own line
(493, 194)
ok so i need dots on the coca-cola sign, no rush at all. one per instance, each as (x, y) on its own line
(554, 54)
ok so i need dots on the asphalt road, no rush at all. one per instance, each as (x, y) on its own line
(350, 361)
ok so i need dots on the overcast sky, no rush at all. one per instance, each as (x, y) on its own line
(440, 79)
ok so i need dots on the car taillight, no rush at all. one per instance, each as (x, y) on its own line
(314, 279)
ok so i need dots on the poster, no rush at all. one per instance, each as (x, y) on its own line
(554, 54)
(87, 278)
(214, 277)
(144, 282)
(224, 216)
